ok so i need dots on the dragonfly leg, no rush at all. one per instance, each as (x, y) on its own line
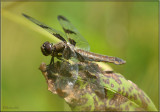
(52, 60)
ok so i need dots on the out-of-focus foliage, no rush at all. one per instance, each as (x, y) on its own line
(128, 30)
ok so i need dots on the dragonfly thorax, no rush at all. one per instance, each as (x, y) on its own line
(59, 47)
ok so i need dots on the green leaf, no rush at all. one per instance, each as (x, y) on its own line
(95, 89)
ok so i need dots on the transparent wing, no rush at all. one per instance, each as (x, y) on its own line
(54, 32)
(73, 35)
(71, 56)
(65, 81)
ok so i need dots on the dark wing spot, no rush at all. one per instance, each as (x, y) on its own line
(59, 37)
(69, 31)
(35, 21)
(72, 41)
(63, 18)
(25, 15)
(43, 26)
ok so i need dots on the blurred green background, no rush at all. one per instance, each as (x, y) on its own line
(128, 30)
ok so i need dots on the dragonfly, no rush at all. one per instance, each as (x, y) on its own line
(72, 45)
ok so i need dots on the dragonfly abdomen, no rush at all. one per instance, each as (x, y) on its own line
(89, 56)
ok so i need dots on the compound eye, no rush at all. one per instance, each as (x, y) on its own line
(46, 48)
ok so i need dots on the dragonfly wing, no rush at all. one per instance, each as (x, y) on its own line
(54, 32)
(67, 85)
(73, 35)
(69, 53)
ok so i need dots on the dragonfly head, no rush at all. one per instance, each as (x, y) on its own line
(46, 48)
